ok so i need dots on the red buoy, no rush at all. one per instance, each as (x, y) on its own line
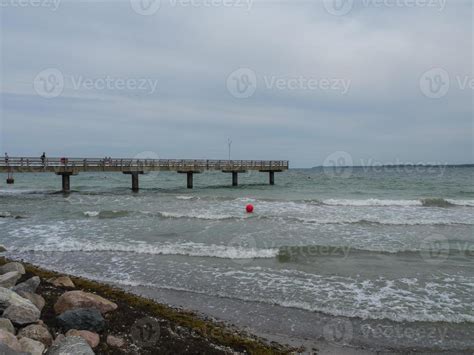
(249, 208)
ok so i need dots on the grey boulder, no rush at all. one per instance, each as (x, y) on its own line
(31, 346)
(9, 279)
(37, 300)
(19, 309)
(83, 319)
(29, 285)
(9, 340)
(6, 324)
(13, 266)
(22, 314)
(71, 345)
(37, 332)
(6, 350)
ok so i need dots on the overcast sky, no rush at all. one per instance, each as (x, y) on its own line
(370, 80)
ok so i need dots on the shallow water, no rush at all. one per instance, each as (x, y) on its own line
(388, 245)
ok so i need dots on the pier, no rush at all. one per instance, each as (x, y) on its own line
(67, 167)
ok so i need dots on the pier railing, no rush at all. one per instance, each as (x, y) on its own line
(113, 164)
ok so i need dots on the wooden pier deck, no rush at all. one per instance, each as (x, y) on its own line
(67, 167)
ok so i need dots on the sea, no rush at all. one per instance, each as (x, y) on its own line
(355, 258)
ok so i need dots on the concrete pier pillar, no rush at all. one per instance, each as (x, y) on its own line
(134, 174)
(190, 179)
(66, 181)
(271, 175)
(135, 183)
(235, 178)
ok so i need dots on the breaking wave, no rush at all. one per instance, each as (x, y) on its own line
(106, 214)
(185, 249)
(426, 202)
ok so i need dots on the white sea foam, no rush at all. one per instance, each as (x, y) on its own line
(469, 203)
(91, 213)
(201, 215)
(187, 249)
(185, 197)
(401, 203)
(372, 202)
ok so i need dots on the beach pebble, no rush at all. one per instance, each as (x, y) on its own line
(10, 340)
(37, 332)
(23, 314)
(29, 285)
(92, 339)
(79, 299)
(31, 346)
(62, 281)
(69, 346)
(6, 324)
(37, 300)
(82, 318)
(13, 266)
(115, 342)
(9, 279)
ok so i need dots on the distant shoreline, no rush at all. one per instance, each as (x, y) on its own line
(395, 166)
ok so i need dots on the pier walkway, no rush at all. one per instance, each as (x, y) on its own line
(67, 167)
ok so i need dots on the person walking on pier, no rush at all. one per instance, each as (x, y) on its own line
(43, 158)
(6, 158)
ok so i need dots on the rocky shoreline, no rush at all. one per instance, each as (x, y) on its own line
(43, 312)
